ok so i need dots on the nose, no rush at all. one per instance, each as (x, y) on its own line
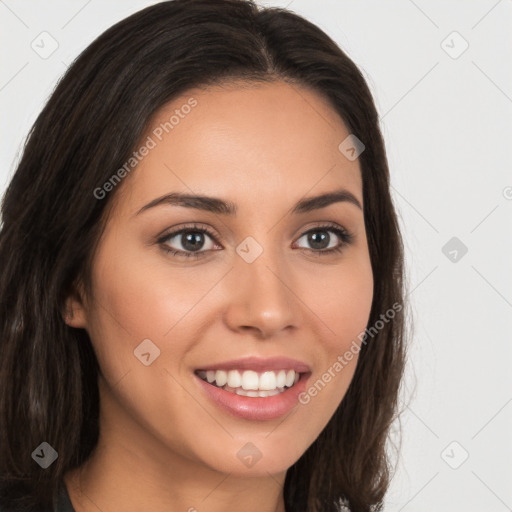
(261, 297)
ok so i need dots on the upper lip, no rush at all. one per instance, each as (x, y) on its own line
(260, 364)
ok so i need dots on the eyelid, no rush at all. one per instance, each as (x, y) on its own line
(194, 227)
(346, 238)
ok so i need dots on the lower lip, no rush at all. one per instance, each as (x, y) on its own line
(256, 408)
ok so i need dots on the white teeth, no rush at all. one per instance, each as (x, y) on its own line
(251, 383)
(290, 378)
(262, 394)
(221, 377)
(281, 379)
(250, 380)
(234, 379)
(268, 381)
(271, 392)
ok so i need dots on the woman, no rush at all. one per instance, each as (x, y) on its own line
(201, 275)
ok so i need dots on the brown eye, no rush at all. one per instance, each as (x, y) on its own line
(188, 242)
(323, 239)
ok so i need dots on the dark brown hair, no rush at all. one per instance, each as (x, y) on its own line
(52, 222)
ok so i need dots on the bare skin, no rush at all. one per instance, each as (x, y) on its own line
(164, 444)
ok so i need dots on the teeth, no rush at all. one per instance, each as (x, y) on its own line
(281, 379)
(268, 381)
(250, 380)
(221, 377)
(251, 383)
(234, 379)
(254, 394)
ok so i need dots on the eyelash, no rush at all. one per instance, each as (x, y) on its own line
(345, 237)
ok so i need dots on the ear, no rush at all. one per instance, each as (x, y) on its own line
(75, 312)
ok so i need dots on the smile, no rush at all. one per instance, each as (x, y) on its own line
(250, 383)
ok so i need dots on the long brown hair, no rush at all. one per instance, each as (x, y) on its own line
(52, 222)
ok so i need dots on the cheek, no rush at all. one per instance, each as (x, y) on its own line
(139, 298)
(146, 297)
(343, 299)
(342, 307)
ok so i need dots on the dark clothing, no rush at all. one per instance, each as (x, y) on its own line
(63, 501)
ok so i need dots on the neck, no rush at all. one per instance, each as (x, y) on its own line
(131, 470)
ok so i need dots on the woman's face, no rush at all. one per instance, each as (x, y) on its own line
(263, 291)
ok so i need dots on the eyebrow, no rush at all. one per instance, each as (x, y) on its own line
(220, 206)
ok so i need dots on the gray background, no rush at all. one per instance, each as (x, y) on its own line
(446, 117)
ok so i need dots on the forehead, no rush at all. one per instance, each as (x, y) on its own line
(272, 141)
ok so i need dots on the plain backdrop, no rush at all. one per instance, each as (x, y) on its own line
(441, 77)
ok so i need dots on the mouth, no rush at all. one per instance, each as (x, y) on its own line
(253, 388)
(251, 383)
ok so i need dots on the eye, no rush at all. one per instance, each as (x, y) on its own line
(192, 241)
(322, 242)
(189, 241)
